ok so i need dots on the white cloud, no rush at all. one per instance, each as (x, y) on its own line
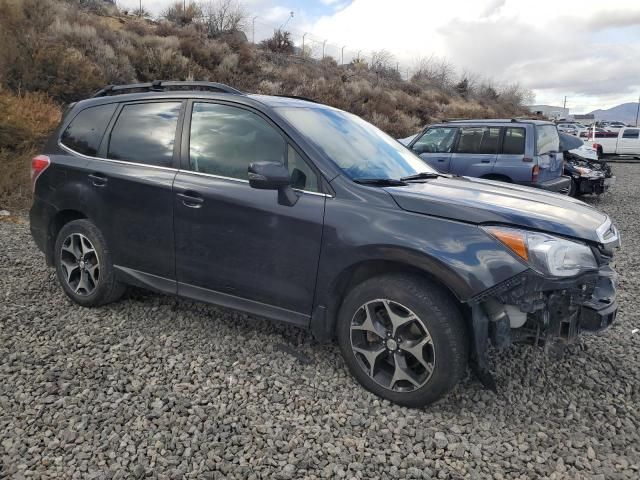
(587, 50)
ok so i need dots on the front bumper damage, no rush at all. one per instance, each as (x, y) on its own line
(530, 308)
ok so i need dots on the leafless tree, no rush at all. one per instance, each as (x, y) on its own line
(434, 72)
(180, 14)
(222, 16)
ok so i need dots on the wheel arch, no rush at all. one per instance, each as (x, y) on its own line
(323, 322)
(498, 177)
(59, 220)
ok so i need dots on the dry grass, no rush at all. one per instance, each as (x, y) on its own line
(25, 122)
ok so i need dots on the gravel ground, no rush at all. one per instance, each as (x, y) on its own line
(161, 388)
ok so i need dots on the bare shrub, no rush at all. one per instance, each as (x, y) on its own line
(280, 42)
(25, 122)
(181, 14)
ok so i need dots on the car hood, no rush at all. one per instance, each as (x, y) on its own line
(485, 202)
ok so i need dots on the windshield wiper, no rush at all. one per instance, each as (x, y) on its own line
(423, 176)
(382, 182)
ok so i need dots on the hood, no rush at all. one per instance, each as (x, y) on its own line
(484, 201)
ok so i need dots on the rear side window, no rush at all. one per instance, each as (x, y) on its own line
(513, 143)
(84, 133)
(631, 133)
(224, 140)
(547, 139)
(145, 133)
(482, 140)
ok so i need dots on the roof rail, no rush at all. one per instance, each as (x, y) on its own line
(163, 85)
(298, 97)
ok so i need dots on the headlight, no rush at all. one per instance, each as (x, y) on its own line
(546, 254)
(584, 172)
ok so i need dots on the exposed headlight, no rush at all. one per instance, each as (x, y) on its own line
(584, 172)
(547, 254)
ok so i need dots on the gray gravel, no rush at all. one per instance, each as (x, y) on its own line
(156, 387)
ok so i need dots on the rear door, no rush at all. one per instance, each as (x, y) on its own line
(629, 142)
(134, 182)
(435, 145)
(510, 162)
(550, 160)
(476, 150)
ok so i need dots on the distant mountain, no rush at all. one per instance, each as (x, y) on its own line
(622, 113)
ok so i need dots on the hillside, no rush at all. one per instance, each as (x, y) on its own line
(625, 112)
(66, 50)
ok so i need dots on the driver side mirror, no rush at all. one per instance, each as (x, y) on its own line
(273, 176)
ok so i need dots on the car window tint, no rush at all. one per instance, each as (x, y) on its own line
(225, 140)
(547, 139)
(482, 140)
(435, 140)
(631, 133)
(86, 130)
(302, 176)
(513, 143)
(145, 133)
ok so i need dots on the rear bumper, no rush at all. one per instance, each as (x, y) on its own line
(40, 216)
(560, 184)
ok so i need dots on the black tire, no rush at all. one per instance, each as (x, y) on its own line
(573, 188)
(436, 310)
(106, 288)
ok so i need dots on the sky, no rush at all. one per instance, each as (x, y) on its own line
(586, 50)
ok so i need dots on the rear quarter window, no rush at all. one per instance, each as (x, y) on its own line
(547, 139)
(85, 132)
(513, 143)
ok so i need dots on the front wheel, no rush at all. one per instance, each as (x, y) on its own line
(83, 265)
(403, 338)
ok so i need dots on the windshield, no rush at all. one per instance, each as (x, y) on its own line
(358, 148)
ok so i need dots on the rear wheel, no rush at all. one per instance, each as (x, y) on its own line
(83, 265)
(403, 338)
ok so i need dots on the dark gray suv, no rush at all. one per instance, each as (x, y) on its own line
(303, 213)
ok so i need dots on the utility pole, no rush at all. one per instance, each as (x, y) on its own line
(323, 45)
(342, 55)
(565, 102)
(253, 29)
(637, 111)
(305, 34)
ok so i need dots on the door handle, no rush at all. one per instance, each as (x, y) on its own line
(97, 179)
(441, 159)
(191, 199)
(485, 161)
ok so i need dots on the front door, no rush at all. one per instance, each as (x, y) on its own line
(434, 147)
(629, 143)
(236, 245)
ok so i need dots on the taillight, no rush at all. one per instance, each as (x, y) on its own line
(534, 173)
(38, 165)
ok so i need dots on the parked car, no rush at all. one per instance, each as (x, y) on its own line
(526, 152)
(589, 175)
(625, 142)
(613, 126)
(589, 131)
(303, 213)
(572, 128)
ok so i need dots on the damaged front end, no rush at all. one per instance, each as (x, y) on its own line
(589, 176)
(541, 309)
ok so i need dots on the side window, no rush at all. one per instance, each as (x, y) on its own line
(435, 140)
(225, 140)
(84, 133)
(145, 133)
(513, 143)
(302, 176)
(483, 140)
(631, 133)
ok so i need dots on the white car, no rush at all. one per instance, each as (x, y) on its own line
(626, 142)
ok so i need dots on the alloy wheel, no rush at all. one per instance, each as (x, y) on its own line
(392, 345)
(80, 264)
